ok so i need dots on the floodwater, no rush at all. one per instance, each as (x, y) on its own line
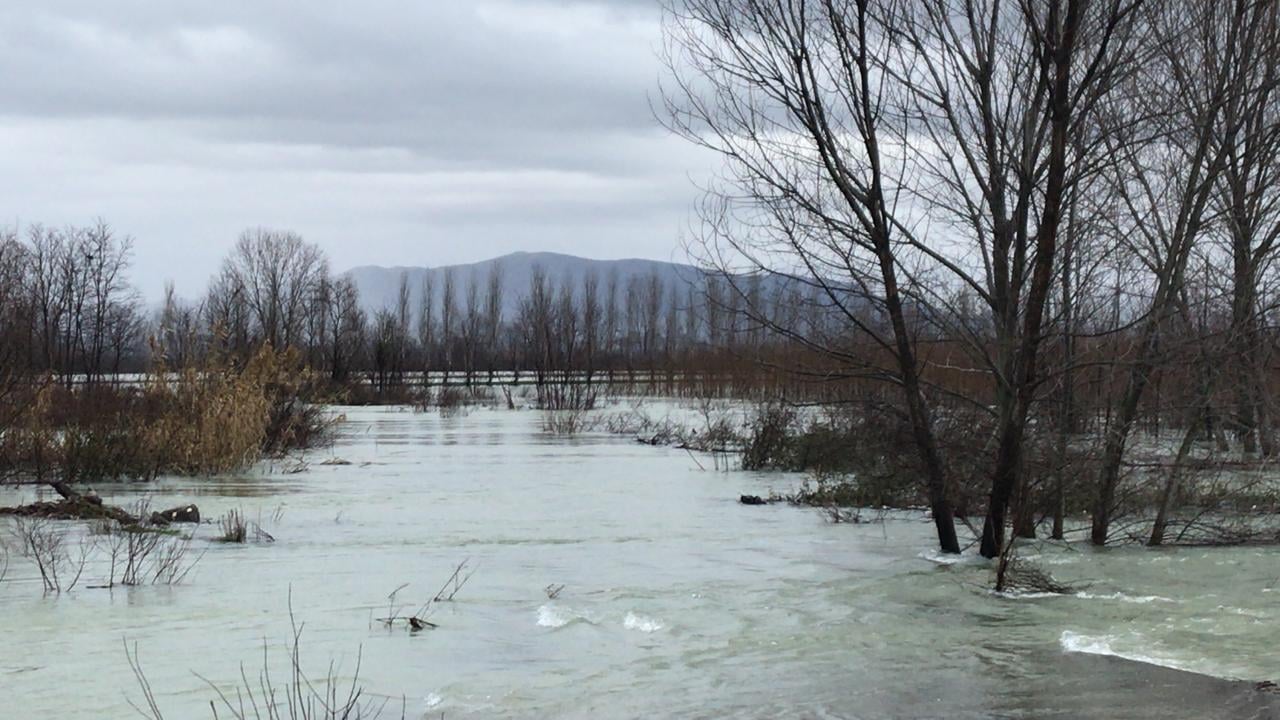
(677, 601)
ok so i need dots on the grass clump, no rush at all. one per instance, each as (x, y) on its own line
(234, 527)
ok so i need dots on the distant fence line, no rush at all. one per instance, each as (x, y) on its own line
(674, 382)
(458, 378)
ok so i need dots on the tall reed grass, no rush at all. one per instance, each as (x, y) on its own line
(215, 417)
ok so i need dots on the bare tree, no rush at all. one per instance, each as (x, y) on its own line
(846, 124)
(612, 326)
(650, 299)
(472, 326)
(403, 335)
(592, 329)
(537, 325)
(347, 322)
(274, 274)
(1250, 206)
(1166, 179)
(493, 316)
(110, 304)
(178, 329)
(448, 320)
(427, 321)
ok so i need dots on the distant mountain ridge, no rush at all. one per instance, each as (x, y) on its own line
(379, 286)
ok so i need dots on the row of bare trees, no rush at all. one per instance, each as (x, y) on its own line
(1001, 188)
(585, 325)
(276, 288)
(66, 305)
(68, 309)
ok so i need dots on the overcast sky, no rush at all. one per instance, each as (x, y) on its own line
(391, 132)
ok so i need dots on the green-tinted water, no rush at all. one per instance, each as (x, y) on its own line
(678, 601)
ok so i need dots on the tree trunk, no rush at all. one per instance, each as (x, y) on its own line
(1118, 434)
(1171, 485)
(921, 423)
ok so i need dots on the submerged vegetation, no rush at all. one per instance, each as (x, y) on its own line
(124, 553)
(215, 417)
(299, 696)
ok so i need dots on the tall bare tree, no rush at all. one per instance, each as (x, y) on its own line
(274, 274)
(1172, 137)
(493, 300)
(846, 124)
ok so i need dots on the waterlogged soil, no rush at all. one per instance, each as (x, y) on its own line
(677, 601)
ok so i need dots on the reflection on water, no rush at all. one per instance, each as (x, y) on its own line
(677, 600)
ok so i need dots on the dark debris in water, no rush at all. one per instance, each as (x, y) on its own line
(71, 509)
(1021, 576)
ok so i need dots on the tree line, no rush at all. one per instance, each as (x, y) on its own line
(68, 309)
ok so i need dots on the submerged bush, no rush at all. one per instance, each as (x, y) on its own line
(863, 454)
(771, 439)
(567, 422)
(233, 527)
(566, 393)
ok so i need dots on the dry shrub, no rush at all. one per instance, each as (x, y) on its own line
(234, 527)
(566, 393)
(567, 422)
(718, 434)
(771, 439)
(863, 454)
(149, 556)
(1017, 575)
(139, 554)
(29, 445)
(300, 696)
(224, 418)
(214, 417)
(296, 418)
(46, 545)
(449, 400)
(419, 620)
(839, 442)
(645, 428)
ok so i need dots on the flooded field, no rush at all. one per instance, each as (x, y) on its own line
(677, 601)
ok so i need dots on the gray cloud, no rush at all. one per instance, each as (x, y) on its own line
(390, 131)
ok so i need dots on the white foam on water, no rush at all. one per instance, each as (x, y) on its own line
(938, 557)
(1019, 595)
(1117, 596)
(1137, 599)
(1242, 612)
(1090, 644)
(553, 617)
(1103, 645)
(431, 701)
(642, 623)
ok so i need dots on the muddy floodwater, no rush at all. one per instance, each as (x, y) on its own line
(677, 601)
